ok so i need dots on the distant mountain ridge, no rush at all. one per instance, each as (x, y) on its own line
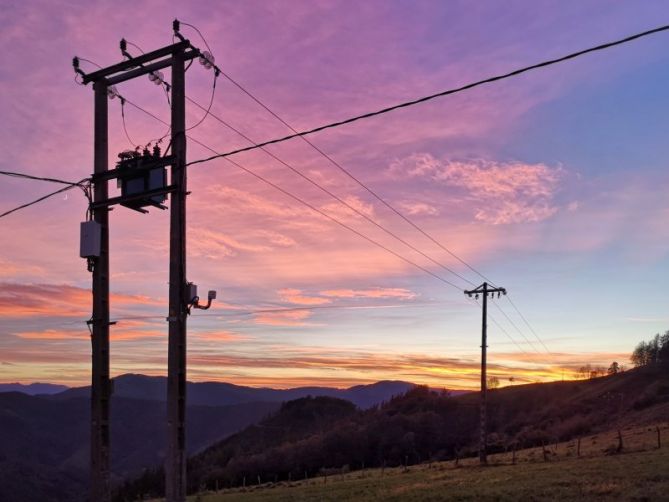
(153, 388)
(33, 389)
(44, 439)
(44, 442)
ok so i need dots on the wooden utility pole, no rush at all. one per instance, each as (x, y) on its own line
(485, 290)
(100, 384)
(175, 463)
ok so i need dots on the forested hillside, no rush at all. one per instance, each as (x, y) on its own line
(310, 436)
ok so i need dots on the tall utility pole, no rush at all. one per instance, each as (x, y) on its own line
(142, 169)
(485, 290)
(100, 383)
(175, 463)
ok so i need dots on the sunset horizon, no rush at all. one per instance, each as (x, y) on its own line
(552, 183)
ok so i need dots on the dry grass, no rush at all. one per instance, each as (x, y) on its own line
(641, 472)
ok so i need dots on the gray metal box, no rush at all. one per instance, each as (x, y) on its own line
(191, 292)
(90, 238)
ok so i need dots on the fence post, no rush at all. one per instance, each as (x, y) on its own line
(578, 448)
(620, 442)
(513, 458)
(659, 439)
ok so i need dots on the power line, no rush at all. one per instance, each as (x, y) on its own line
(492, 318)
(437, 95)
(207, 111)
(125, 129)
(516, 327)
(528, 325)
(40, 178)
(36, 201)
(233, 312)
(310, 206)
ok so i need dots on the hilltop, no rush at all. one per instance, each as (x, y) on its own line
(33, 389)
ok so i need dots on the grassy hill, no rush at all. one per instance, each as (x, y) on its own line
(640, 472)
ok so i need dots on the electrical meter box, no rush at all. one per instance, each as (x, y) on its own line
(191, 292)
(138, 176)
(90, 239)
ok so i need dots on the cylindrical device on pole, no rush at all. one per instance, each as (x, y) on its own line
(100, 384)
(175, 463)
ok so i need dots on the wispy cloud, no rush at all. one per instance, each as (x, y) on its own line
(398, 293)
(419, 208)
(114, 335)
(58, 300)
(288, 318)
(296, 296)
(507, 192)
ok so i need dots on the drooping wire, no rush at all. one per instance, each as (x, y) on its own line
(156, 74)
(199, 33)
(207, 112)
(125, 128)
(36, 201)
(89, 61)
(167, 86)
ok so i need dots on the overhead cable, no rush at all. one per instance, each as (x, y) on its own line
(437, 95)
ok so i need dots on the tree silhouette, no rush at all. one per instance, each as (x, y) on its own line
(614, 368)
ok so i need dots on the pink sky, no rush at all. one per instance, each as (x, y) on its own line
(553, 184)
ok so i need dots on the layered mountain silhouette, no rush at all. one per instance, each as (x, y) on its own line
(44, 439)
(33, 389)
(154, 388)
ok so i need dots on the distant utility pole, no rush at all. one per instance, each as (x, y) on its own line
(143, 183)
(485, 290)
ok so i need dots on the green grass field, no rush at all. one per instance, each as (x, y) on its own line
(641, 472)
